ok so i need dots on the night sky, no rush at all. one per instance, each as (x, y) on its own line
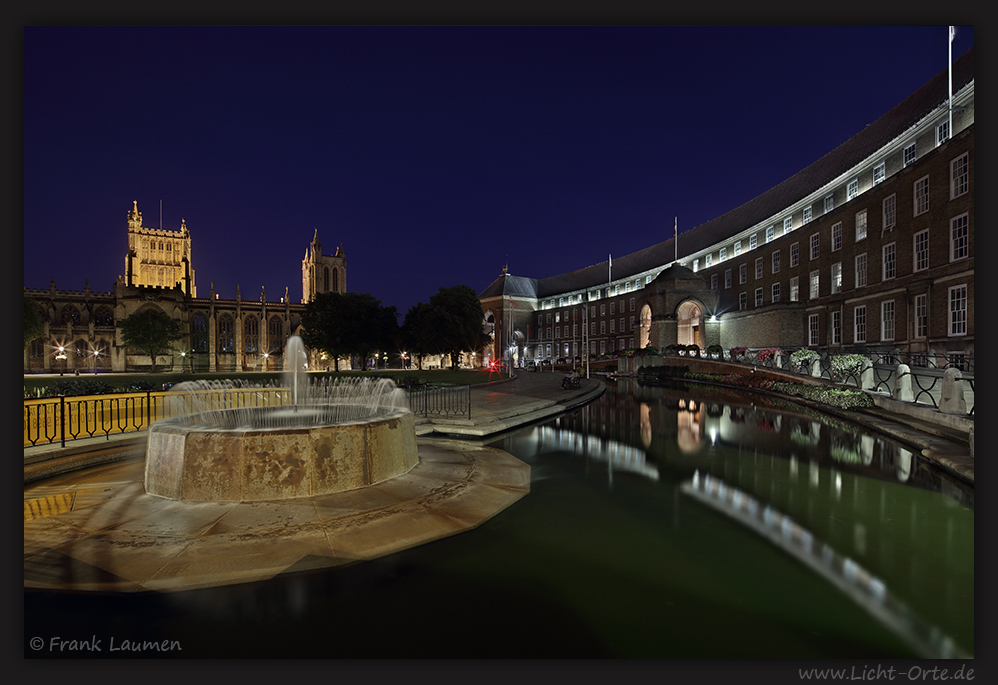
(435, 155)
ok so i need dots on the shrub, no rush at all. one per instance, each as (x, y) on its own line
(766, 354)
(846, 365)
(693, 350)
(801, 359)
(737, 352)
(715, 349)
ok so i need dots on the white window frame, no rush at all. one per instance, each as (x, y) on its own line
(835, 330)
(861, 225)
(879, 173)
(959, 176)
(788, 225)
(859, 323)
(956, 320)
(836, 236)
(742, 301)
(887, 319)
(742, 274)
(806, 215)
(727, 278)
(814, 249)
(775, 265)
(707, 260)
(738, 247)
(794, 254)
(770, 234)
(888, 256)
(920, 193)
(812, 330)
(920, 250)
(753, 241)
(776, 292)
(758, 268)
(909, 154)
(758, 297)
(814, 285)
(722, 254)
(942, 132)
(921, 316)
(794, 289)
(861, 264)
(959, 237)
(890, 213)
(852, 189)
(713, 281)
(829, 203)
(837, 277)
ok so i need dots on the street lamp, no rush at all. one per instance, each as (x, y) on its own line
(183, 360)
(266, 356)
(96, 354)
(62, 356)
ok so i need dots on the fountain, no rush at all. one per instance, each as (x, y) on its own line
(227, 441)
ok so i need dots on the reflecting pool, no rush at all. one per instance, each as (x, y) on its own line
(662, 522)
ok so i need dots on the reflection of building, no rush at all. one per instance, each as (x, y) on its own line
(868, 249)
(220, 335)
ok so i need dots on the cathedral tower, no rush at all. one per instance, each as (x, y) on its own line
(158, 258)
(322, 273)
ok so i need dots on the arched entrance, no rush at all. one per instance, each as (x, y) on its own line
(644, 326)
(690, 321)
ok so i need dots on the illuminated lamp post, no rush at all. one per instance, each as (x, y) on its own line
(96, 354)
(266, 358)
(62, 356)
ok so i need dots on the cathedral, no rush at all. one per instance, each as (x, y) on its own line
(81, 326)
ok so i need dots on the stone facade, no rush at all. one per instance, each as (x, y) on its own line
(219, 334)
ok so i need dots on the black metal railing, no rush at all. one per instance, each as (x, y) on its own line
(59, 419)
(447, 401)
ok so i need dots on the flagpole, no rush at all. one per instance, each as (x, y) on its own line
(952, 32)
(675, 238)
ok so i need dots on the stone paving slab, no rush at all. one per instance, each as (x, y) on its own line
(117, 538)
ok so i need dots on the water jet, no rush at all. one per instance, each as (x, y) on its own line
(227, 441)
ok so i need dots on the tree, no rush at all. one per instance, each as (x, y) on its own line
(453, 322)
(34, 323)
(345, 324)
(415, 335)
(152, 331)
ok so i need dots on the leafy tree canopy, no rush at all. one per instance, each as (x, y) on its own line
(152, 331)
(346, 324)
(34, 323)
(450, 324)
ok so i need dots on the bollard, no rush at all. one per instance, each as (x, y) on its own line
(902, 384)
(866, 376)
(951, 400)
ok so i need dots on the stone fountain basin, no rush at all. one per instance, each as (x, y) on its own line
(189, 459)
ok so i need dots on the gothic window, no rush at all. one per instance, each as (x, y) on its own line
(103, 317)
(275, 335)
(226, 339)
(336, 280)
(199, 333)
(251, 334)
(325, 279)
(81, 348)
(70, 315)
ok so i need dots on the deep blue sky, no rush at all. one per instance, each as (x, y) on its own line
(435, 155)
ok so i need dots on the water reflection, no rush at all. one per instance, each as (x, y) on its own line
(882, 512)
